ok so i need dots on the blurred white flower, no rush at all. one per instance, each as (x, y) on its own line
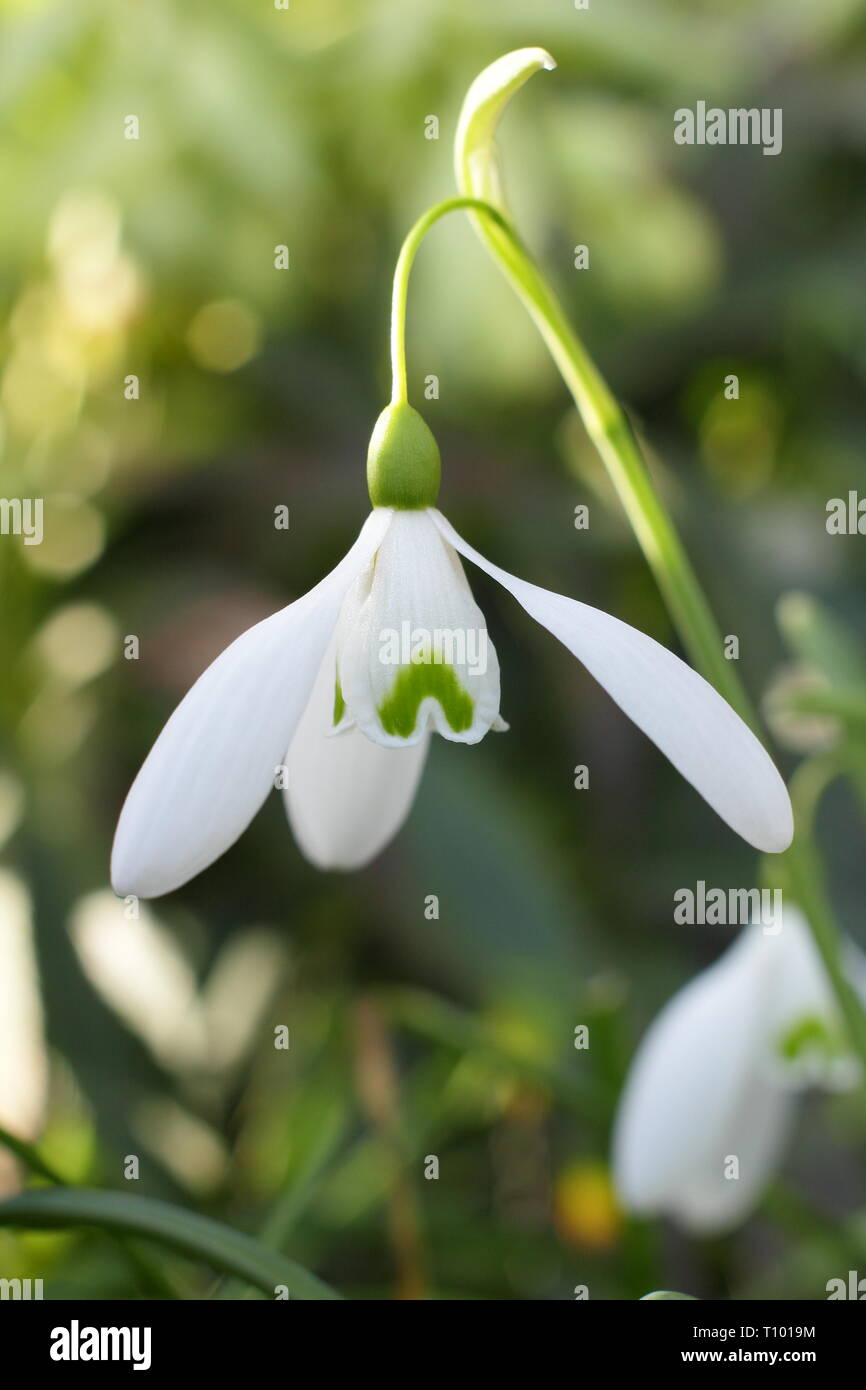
(708, 1102)
(138, 968)
(23, 1056)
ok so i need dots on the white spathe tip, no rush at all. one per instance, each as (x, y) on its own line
(483, 105)
(520, 60)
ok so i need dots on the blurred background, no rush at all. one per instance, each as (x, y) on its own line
(154, 258)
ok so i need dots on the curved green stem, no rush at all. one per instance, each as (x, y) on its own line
(400, 390)
(808, 785)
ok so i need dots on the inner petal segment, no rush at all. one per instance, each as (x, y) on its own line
(413, 652)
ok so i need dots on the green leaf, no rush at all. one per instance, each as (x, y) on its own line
(186, 1232)
(27, 1154)
(667, 1296)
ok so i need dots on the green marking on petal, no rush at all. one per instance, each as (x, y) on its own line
(398, 714)
(339, 702)
(809, 1034)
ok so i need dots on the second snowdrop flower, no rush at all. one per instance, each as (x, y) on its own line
(710, 1097)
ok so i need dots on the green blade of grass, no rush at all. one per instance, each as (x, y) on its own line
(186, 1232)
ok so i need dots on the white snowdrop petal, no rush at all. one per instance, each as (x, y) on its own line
(802, 986)
(346, 796)
(807, 1040)
(215, 761)
(23, 1055)
(412, 645)
(689, 1084)
(723, 1192)
(709, 1099)
(683, 714)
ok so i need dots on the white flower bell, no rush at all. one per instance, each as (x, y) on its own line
(344, 687)
(709, 1100)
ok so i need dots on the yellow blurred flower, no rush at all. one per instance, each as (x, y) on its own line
(585, 1208)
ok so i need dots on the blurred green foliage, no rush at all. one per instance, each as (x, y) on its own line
(154, 257)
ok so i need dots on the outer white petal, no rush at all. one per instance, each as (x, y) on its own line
(23, 1057)
(802, 994)
(416, 593)
(802, 987)
(214, 762)
(689, 1095)
(706, 1200)
(345, 796)
(685, 717)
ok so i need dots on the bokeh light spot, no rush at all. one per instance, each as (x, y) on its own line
(223, 335)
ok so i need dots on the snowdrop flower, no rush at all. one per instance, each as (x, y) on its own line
(335, 697)
(24, 1065)
(711, 1094)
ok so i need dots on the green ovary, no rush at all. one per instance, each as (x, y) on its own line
(398, 714)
